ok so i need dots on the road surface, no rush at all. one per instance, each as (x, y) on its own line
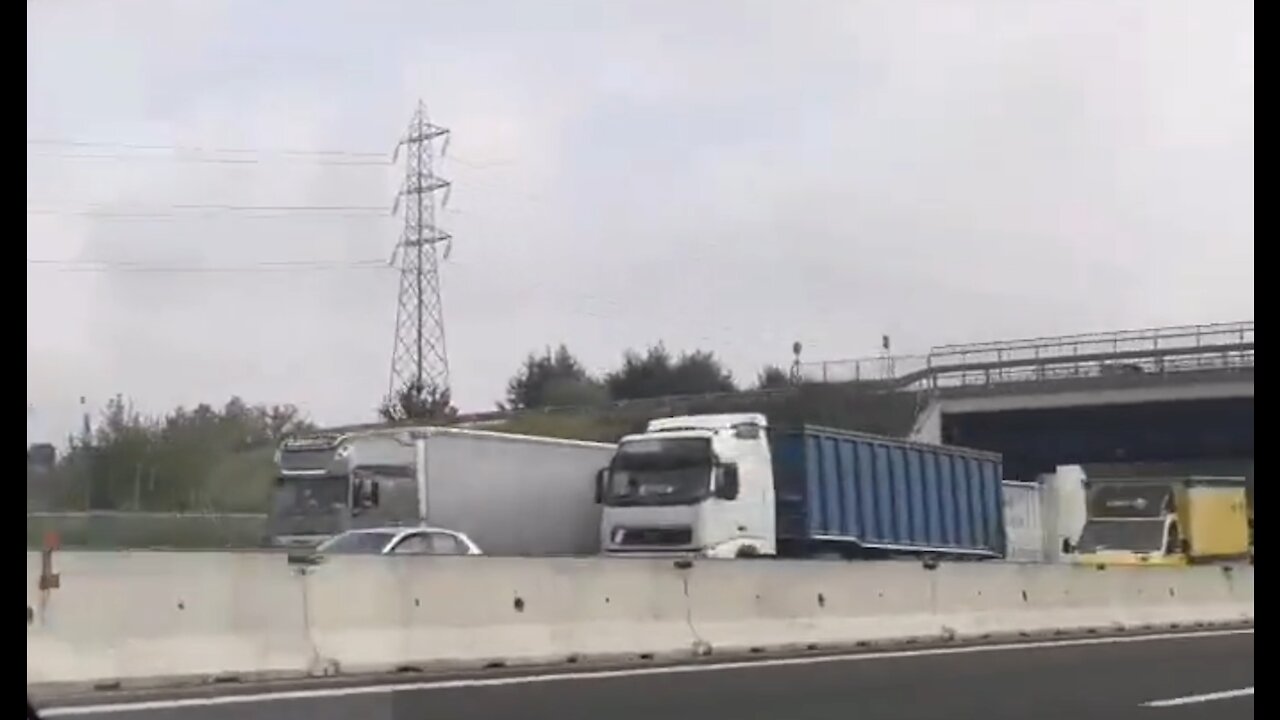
(1179, 677)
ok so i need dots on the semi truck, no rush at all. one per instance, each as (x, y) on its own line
(728, 486)
(512, 494)
(1169, 521)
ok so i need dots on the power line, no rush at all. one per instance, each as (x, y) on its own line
(255, 267)
(188, 154)
(187, 217)
(197, 209)
(211, 160)
(237, 207)
(155, 147)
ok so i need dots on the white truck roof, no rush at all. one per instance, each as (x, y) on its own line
(407, 433)
(706, 422)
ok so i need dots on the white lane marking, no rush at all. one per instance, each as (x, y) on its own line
(1207, 697)
(317, 693)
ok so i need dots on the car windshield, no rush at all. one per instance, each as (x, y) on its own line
(356, 543)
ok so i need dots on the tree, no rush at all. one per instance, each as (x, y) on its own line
(418, 402)
(772, 377)
(176, 461)
(641, 376)
(657, 374)
(700, 372)
(122, 444)
(553, 379)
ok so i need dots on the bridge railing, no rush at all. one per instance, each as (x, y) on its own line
(888, 369)
(1150, 351)
(1149, 339)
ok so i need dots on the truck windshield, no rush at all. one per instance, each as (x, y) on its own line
(660, 471)
(1122, 535)
(309, 496)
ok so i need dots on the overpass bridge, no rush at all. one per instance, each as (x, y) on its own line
(1161, 395)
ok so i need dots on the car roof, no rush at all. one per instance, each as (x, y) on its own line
(396, 533)
(397, 529)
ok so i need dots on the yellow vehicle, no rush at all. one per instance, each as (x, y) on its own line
(1154, 521)
(1251, 533)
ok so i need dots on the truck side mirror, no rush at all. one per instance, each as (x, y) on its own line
(602, 477)
(375, 495)
(357, 494)
(727, 488)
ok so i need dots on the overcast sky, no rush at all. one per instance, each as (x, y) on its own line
(720, 174)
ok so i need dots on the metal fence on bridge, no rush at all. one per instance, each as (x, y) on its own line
(1154, 351)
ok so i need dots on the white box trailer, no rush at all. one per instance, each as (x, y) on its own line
(512, 494)
(515, 494)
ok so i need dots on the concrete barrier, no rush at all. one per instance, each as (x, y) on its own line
(376, 613)
(738, 606)
(122, 616)
(147, 618)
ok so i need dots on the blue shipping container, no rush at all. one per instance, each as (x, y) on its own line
(878, 493)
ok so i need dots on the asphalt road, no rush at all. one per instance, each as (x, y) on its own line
(1206, 675)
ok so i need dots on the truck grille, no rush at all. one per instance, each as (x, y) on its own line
(654, 537)
(306, 460)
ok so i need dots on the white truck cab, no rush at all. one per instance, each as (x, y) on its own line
(698, 485)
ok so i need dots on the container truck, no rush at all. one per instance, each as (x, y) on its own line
(1171, 521)
(728, 486)
(512, 494)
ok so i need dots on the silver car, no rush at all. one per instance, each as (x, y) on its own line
(399, 541)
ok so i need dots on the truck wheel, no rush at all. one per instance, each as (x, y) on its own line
(747, 551)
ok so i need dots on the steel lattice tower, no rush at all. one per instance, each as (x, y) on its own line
(419, 359)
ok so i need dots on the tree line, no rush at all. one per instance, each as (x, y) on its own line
(208, 457)
(188, 459)
(556, 378)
